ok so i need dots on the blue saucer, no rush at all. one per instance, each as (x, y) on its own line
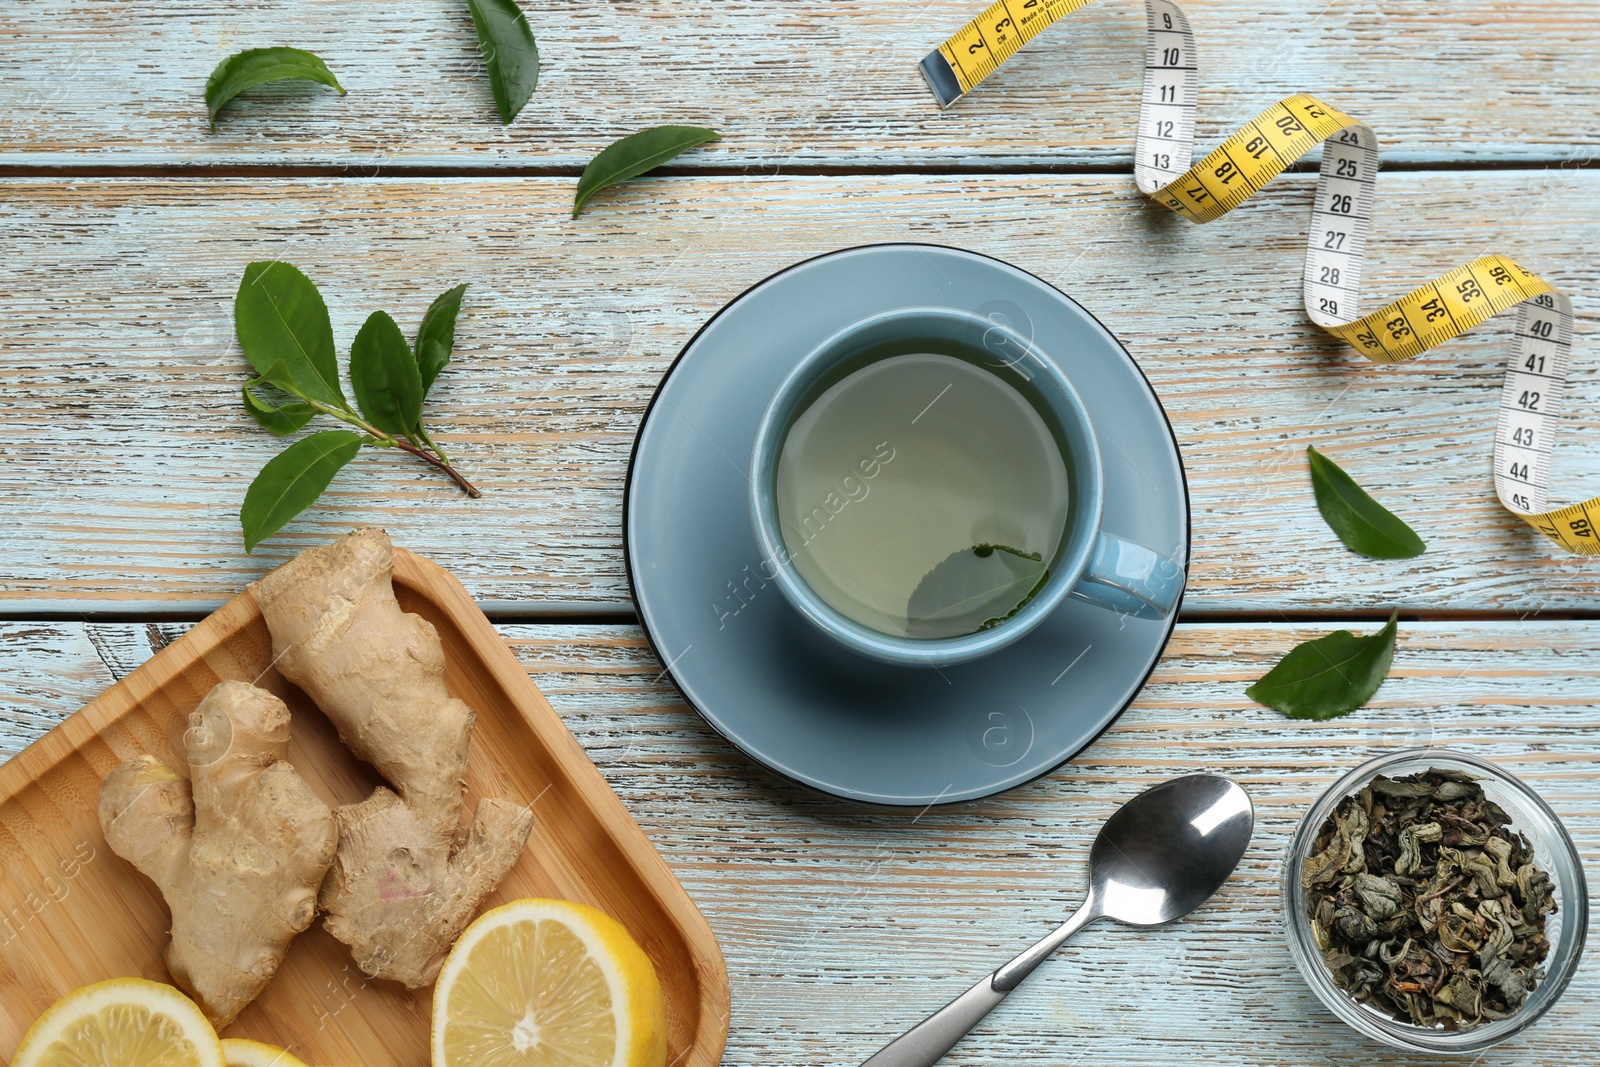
(780, 690)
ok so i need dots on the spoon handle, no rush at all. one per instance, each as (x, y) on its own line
(926, 1043)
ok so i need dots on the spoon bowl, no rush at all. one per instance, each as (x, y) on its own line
(1166, 851)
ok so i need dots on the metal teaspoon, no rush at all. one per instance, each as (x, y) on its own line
(1159, 856)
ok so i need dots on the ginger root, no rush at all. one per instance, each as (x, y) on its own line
(401, 888)
(238, 850)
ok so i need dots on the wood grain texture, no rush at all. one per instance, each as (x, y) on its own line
(73, 913)
(126, 450)
(125, 454)
(843, 924)
(802, 83)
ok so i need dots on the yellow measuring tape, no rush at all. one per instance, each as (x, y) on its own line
(1536, 374)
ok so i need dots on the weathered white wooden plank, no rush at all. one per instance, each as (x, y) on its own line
(52, 669)
(802, 83)
(125, 452)
(841, 924)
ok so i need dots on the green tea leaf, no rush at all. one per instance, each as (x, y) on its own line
(384, 375)
(973, 589)
(257, 66)
(1329, 676)
(292, 480)
(281, 419)
(1363, 524)
(437, 335)
(278, 377)
(280, 319)
(991, 623)
(509, 51)
(635, 154)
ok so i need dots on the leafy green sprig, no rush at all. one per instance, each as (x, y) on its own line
(284, 329)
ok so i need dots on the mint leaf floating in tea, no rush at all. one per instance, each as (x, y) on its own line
(509, 52)
(974, 589)
(258, 66)
(286, 335)
(1363, 524)
(1329, 676)
(635, 154)
(1426, 902)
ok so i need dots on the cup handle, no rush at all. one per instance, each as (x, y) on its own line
(1131, 579)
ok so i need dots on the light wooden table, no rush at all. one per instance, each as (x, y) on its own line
(124, 452)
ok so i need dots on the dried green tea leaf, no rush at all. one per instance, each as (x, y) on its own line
(292, 480)
(635, 154)
(509, 51)
(280, 319)
(257, 66)
(437, 335)
(1363, 524)
(1426, 903)
(1329, 676)
(384, 374)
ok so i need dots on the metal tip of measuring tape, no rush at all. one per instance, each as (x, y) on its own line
(940, 78)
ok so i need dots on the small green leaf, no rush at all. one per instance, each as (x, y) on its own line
(973, 589)
(281, 419)
(292, 480)
(635, 154)
(432, 357)
(277, 376)
(257, 66)
(1363, 524)
(1329, 676)
(437, 335)
(509, 51)
(384, 375)
(280, 319)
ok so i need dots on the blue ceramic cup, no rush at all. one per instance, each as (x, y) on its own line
(1090, 563)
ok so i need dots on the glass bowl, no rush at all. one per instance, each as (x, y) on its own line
(1553, 851)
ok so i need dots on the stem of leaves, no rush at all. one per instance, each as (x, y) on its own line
(440, 462)
(432, 444)
(286, 334)
(427, 451)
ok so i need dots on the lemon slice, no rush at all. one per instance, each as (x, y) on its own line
(126, 1022)
(241, 1052)
(548, 983)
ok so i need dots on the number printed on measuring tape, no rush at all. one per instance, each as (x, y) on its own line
(1536, 375)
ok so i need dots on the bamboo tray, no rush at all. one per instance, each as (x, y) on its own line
(74, 912)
